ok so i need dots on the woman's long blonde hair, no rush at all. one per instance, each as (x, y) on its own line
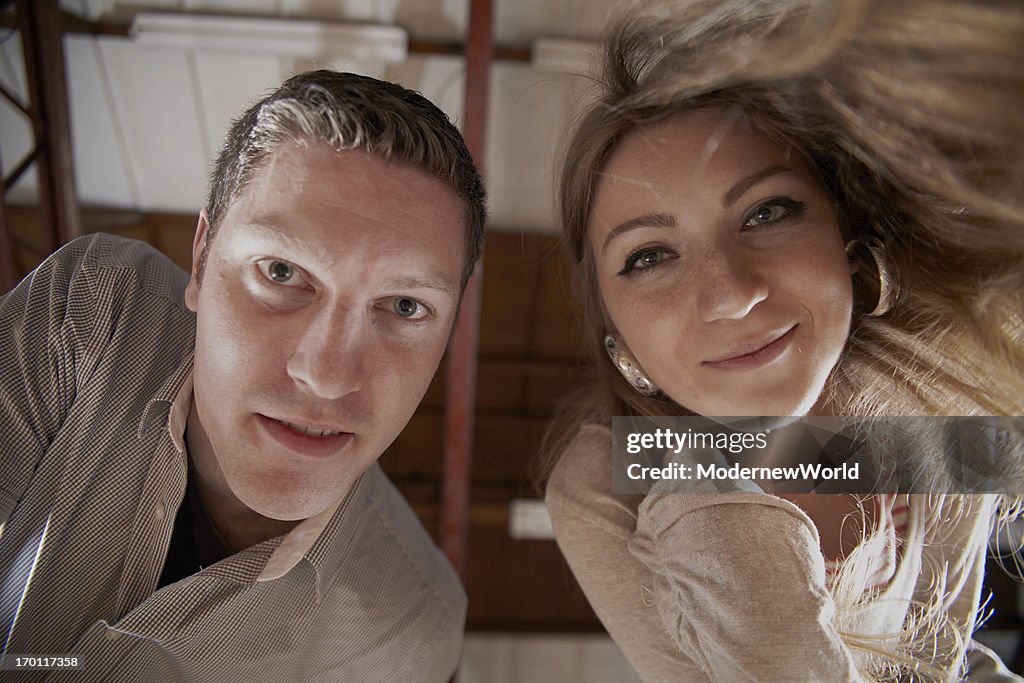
(911, 113)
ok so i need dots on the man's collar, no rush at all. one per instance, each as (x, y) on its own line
(296, 544)
(177, 418)
(173, 400)
(339, 526)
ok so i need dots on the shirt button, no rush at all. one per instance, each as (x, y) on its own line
(159, 510)
(112, 634)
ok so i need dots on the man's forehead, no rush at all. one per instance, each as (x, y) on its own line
(302, 166)
(282, 162)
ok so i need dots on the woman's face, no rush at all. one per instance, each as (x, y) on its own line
(721, 266)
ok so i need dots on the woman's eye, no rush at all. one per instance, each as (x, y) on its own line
(281, 272)
(644, 259)
(774, 211)
(409, 308)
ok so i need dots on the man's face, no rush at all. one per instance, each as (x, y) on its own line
(327, 299)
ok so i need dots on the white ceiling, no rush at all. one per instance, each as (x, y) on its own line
(146, 121)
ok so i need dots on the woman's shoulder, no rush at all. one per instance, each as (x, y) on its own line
(584, 465)
(591, 446)
(579, 490)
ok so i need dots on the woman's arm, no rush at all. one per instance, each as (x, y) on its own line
(739, 583)
(592, 528)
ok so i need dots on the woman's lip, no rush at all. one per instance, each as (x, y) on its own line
(756, 358)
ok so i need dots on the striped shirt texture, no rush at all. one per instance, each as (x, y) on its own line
(95, 382)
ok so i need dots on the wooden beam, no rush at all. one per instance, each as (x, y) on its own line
(7, 277)
(41, 30)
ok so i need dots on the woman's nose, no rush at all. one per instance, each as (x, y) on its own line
(730, 285)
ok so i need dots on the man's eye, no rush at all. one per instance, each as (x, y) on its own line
(409, 308)
(281, 272)
(644, 259)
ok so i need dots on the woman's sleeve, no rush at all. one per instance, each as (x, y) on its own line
(592, 527)
(739, 584)
(984, 666)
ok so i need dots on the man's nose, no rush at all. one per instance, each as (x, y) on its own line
(329, 356)
(730, 285)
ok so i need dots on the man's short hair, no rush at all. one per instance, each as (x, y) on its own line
(348, 111)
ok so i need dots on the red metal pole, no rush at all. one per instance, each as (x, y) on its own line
(462, 351)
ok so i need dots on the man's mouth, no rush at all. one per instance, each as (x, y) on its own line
(309, 438)
(310, 431)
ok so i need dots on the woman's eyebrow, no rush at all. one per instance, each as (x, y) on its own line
(737, 190)
(651, 220)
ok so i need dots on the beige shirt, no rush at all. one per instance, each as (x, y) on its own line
(95, 385)
(732, 586)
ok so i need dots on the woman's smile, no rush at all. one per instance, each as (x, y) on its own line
(765, 351)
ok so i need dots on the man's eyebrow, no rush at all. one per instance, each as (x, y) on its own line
(408, 282)
(436, 283)
(737, 190)
(650, 220)
(267, 229)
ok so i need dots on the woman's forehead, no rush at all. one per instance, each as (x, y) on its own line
(697, 154)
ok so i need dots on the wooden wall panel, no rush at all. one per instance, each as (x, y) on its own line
(507, 296)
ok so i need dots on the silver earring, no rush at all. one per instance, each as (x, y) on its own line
(627, 366)
(888, 286)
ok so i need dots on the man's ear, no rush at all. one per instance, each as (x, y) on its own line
(198, 247)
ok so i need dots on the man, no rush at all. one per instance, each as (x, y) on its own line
(188, 480)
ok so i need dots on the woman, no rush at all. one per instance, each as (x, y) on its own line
(795, 208)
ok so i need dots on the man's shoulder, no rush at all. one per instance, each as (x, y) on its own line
(125, 289)
(395, 519)
(103, 297)
(121, 261)
(375, 540)
(392, 589)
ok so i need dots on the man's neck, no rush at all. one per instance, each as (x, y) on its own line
(239, 525)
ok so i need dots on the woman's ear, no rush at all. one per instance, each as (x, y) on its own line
(851, 247)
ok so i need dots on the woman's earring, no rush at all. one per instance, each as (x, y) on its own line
(627, 366)
(888, 286)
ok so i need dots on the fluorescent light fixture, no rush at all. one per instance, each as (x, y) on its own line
(562, 54)
(309, 39)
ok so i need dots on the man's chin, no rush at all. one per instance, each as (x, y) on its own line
(293, 505)
(297, 513)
